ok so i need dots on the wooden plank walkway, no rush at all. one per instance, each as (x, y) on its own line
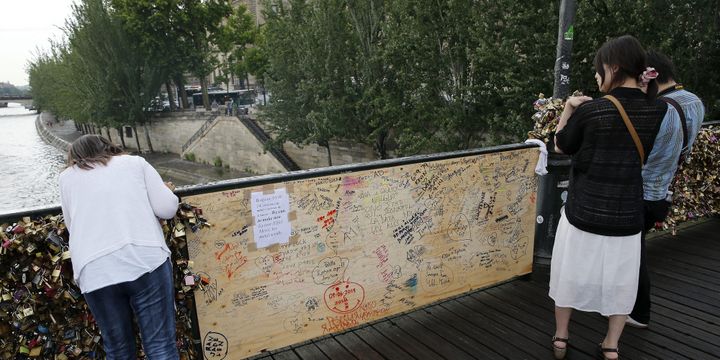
(515, 320)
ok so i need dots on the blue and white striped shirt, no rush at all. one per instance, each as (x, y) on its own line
(662, 163)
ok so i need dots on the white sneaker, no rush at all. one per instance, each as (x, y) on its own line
(636, 324)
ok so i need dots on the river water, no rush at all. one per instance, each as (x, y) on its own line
(30, 167)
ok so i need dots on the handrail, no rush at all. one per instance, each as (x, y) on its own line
(289, 176)
(200, 132)
(264, 138)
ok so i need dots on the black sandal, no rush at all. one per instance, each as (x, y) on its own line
(602, 351)
(560, 353)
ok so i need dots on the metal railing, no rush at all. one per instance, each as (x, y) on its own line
(264, 138)
(199, 133)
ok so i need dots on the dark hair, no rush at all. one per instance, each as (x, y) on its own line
(89, 150)
(628, 55)
(663, 65)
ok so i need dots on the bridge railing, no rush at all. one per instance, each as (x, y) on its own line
(394, 234)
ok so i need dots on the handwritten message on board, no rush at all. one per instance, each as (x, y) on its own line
(270, 212)
(361, 246)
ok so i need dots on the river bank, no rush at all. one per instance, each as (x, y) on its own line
(170, 166)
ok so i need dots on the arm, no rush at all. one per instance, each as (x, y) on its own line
(695, 114)
(162, 200)
(64, 204)
(570, 105)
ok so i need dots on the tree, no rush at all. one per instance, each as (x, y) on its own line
(466, 70)
(311, 73)
(687, 31)
(100, 76)
(155, 25)
(256, 60)
(200, 26)
(234, 38)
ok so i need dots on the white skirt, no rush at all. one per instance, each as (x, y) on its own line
(591, 272)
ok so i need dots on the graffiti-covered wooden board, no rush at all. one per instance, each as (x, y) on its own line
(295, 260)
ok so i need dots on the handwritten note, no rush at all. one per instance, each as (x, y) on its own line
(271, 217)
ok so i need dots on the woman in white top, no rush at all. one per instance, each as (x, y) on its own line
(111, 203)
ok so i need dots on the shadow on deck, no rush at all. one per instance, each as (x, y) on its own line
(515, 320)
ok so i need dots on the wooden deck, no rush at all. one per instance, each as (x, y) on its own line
(515, 320)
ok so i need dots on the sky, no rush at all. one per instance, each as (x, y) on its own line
(25, 26)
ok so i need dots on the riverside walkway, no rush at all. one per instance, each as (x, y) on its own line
(170, 166)
(515, 320)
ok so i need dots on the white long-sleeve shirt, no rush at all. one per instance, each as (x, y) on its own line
(111, 213)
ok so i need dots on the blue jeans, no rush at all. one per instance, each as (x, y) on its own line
(151, 300)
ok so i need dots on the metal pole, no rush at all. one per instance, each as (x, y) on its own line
(568, 8)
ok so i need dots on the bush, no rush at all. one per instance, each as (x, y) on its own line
(217, 162)
(190, 157)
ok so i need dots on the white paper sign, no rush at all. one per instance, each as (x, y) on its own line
(271, 217)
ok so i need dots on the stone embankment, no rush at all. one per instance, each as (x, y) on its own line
(170, 166)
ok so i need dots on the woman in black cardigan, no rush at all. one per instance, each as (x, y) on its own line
(596, 255)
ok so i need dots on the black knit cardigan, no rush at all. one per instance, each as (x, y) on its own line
(605, 191)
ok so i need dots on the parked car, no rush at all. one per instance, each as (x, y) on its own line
(166, 105)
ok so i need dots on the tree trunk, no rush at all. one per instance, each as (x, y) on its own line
(171, 96)
(327, 146)
(137, 140)
(107, 130)
(262, 83)
(247, 80)
(180, 81)
(122, 136)
(147, 136)
(380, 144)
(205, 96)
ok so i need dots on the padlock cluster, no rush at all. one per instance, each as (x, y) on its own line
(696, 187)
(43, 315)
(546, 117)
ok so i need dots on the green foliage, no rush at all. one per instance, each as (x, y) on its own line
(432, 76)
(687, 31)
(98, 75)
(438, 76)
(312, 73)
(217, 162)
(190, 157)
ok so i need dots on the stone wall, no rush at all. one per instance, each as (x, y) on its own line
(343, 152)
(233, 143)
(168, 131)
(228, 139)
(48, 137)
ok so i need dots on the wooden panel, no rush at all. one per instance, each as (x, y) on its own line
(363, 245)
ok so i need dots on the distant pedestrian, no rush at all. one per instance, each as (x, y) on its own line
(596, 256)
(229, 110)
(672, 144)
(120, 260)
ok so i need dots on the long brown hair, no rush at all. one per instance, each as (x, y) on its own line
(90, 150)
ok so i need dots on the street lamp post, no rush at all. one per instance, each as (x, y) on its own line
(552, 188)
(566, 33)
